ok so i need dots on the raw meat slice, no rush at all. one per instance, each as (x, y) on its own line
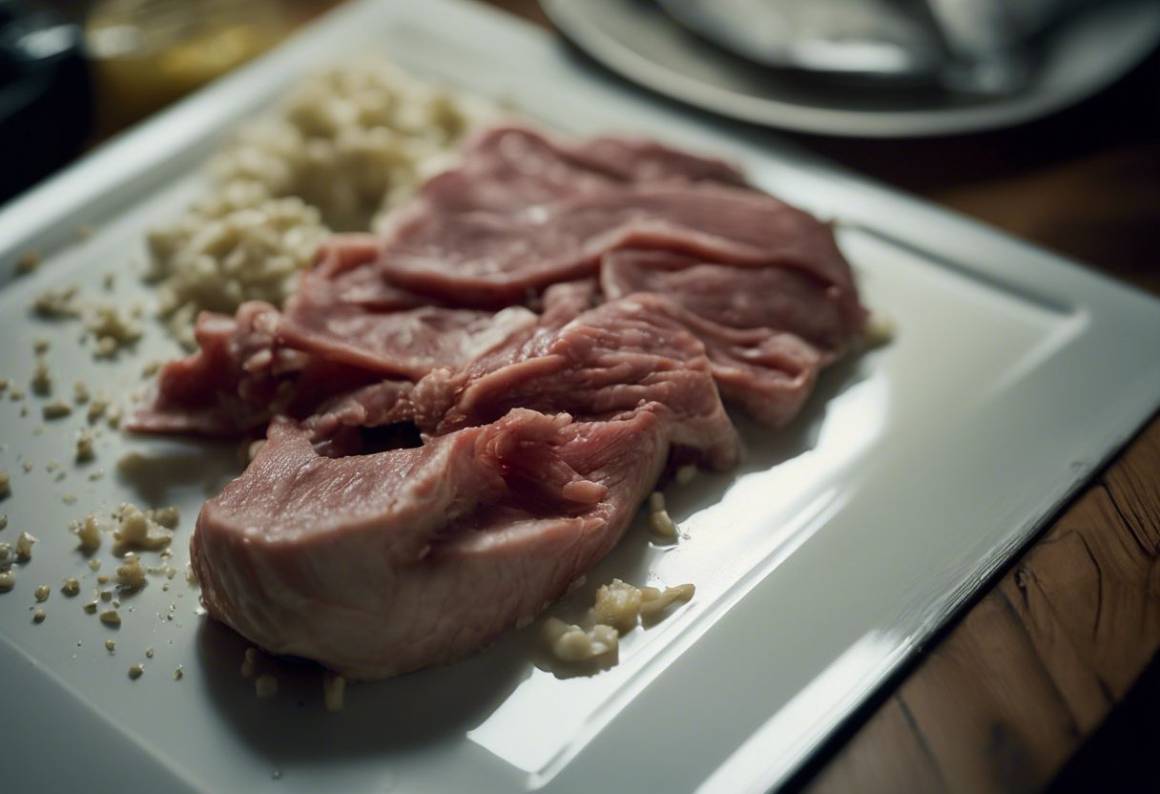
(489, 258)
(378, 564)
(605, 362)
(740, 297)
(239, 377)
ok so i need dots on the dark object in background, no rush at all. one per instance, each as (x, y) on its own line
(45, 101)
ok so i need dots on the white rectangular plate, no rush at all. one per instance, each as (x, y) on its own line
(820, 565)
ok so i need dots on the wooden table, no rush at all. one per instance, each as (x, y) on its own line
(1012, 689)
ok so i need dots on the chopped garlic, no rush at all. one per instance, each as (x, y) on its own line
(113, 329)
(654, 601)
(84, 447)
(7, 556)
(91, 607)
(5, 484)
(41, 383)
(57, 304)
(266, 686)
(7, 581)
(617, 605)
(656, 502)
(136, 531)
(148, 653)
(40, 346)
(111, 646)
(662, 524)
(167, 517)
(56, 410)
(81, 393)
(570, 643)
(135, 672)
(130, 574)
(24, 544)
(41, 593)
(178, 673)
(71, 587)
(88, 532)
(333, 691)
(880, 330)
(3, 520)
(111, 618)
(94, 564)
(38, 615)
(97, 410)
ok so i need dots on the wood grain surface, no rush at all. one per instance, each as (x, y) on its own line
(1009, 692)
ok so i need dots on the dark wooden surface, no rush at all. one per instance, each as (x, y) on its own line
(1012, 689)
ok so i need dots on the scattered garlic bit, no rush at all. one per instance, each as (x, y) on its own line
(151, 369)
(71, 587)
(41, 593)
(109, 280)
(662, 524)
(654, 601)
(113, 417)
(7, 581)
(56, 410)
(3, 385)
(130, 574)
(106, 595)
(136, 671)
(40, 346)
(880, 330)
(333, 691)
(69, 499)
(135, 530)
(84, 449)
(111, 646)
(3, 521)
(5, 484)
(80, 393)
(91, 607)
(167, 517)
(97, 410)
(148, 653)
(656, 502)
(29, 261)
(617, 605)
(178, 673)
(94, 563)
(191, 575)
(57, 304)
(38, 615)
(111, 618)
(113, 329)
(24, 544)
(570, 643)
(249, 662)
(41, 383)
(266, 685)
(685, 474)
(7, 556)
(88, 532)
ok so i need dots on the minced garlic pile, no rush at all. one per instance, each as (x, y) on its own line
(344, 146)
(618, 609)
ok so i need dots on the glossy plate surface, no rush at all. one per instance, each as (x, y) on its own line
(820, 565)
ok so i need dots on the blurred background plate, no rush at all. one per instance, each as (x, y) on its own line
(636, 39)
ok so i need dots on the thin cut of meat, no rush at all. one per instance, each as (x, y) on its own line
(239, 378)
(379, 564)
(494, 258)
(605, 363)
(739, 297)
(509, 168)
